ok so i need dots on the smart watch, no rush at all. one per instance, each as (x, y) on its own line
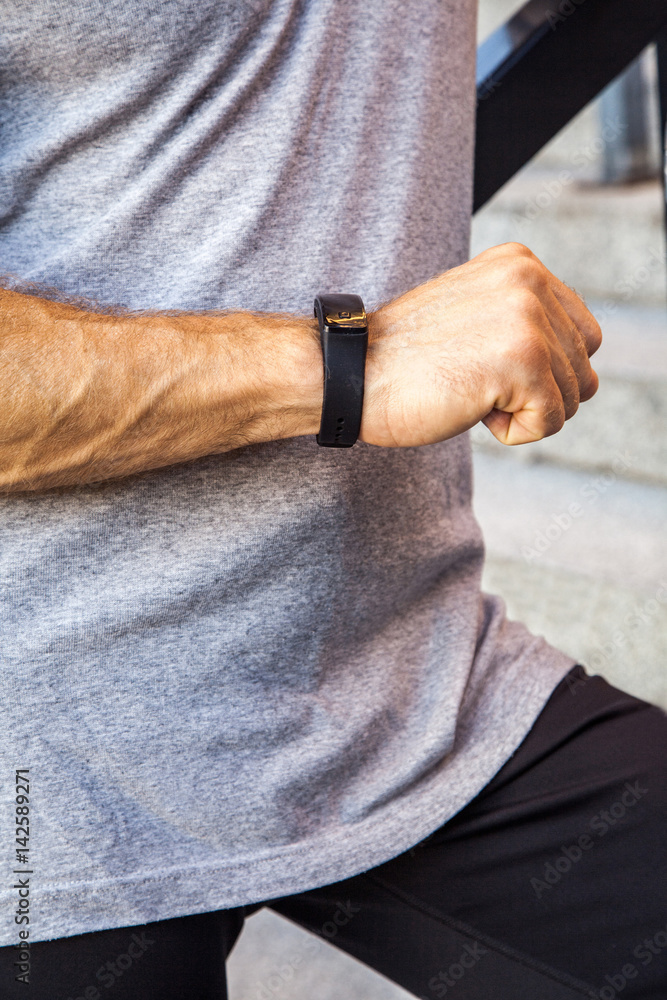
(344, 336)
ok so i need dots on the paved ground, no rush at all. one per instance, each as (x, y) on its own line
(276, 960)
(593, 583)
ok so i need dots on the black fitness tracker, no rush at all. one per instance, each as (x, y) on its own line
(344, 335)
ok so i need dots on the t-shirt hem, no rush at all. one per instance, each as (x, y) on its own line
(77, 907)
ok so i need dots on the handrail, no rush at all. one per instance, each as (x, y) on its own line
(535, 73)
(662, 88)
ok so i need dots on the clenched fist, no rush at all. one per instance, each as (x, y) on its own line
(498, 339)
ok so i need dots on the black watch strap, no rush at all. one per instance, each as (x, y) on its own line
(344, 334)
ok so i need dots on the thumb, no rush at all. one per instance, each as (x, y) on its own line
(526, 425)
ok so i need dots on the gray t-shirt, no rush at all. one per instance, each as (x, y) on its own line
(269, 669)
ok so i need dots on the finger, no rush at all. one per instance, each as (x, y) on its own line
(560, 368)
(538, 388)
(542, 415)
(580, 315)
(571, 345)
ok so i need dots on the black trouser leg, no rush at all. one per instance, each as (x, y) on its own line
(551, 883)
(179, 959)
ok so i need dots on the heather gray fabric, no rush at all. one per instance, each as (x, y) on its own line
(270, 669)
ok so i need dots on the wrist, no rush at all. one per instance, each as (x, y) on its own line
(293, 379)
(377, 390)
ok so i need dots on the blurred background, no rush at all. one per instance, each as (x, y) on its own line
(574, 525)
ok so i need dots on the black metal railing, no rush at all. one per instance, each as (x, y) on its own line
(540, 69)
(662, 88)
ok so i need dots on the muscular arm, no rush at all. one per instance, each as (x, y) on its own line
(87, 397)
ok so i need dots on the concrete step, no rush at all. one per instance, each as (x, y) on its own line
(607, 242)
(275, 959)
(623, 429)
(581, 562)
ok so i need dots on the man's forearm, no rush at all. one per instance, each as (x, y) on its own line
(88, 397)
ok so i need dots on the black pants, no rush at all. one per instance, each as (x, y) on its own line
(552, 883)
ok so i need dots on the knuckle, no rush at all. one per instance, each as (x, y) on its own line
(573, 395)
(571, 406)
(524, 272)
(519, 250)
(525, 304)
(554, 417)
(591, 387)
(596, 333)
(533, 272)
(511, 248)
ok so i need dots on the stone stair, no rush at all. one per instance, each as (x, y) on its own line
(575, 525)
(606, 242)
(275, 959)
